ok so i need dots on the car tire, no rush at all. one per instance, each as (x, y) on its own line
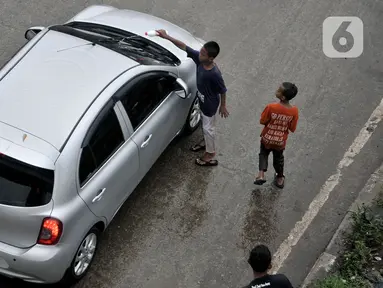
(194, 118)
(87, 249)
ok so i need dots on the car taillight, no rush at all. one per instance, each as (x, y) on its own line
(50, 232)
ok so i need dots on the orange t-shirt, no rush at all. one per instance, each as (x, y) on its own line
(278, 120)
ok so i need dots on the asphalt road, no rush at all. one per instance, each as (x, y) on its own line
(191, 227)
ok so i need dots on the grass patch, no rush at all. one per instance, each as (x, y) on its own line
(379, 201)
(336, 281)
(362, 245)
(365, 239)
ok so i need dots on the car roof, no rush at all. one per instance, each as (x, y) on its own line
(52, 86)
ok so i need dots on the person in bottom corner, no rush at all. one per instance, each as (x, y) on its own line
(260, 262)
(279, 119)
(211, 93)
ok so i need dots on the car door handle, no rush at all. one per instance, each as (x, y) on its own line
(147, 140)
(99, 195)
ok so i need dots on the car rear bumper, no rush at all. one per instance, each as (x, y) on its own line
(38, 264)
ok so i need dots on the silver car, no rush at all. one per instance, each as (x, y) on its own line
(86, 108)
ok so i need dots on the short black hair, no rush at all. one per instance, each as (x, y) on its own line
(289, 90)
(212, 48)
(260, 259)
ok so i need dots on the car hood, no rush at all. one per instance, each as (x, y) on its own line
(139, 23)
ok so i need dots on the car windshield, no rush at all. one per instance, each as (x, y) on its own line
(24, 185)
(129, 44)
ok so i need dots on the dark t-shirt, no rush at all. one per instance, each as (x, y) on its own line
(270, 281)
(210, 85)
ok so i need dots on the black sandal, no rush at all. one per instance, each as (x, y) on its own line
(197, 148)
(276, 181)
(201, 162)
(259, 181)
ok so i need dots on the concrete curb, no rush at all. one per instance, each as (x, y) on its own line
(366, 196)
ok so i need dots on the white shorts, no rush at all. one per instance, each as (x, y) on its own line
(208, 128)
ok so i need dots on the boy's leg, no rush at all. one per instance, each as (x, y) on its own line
(198, 146)
(208, 129)
(263, 165)
(201, 145)
(279, 163)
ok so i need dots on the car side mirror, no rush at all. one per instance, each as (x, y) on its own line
(185, 89)
(32, 32)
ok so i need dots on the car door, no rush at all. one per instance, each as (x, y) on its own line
(152, 105)
(109, 163)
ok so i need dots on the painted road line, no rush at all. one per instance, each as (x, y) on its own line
(296, 233)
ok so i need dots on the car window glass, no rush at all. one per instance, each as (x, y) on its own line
(145, 96)
(106, 139)
(24, 185)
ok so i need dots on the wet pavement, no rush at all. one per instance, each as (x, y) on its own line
(190, 227)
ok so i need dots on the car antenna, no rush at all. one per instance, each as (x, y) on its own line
(93, 44)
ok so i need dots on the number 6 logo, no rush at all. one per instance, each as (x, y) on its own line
(342, 37)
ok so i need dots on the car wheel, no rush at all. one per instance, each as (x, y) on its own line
(83, 257)
(194, 118)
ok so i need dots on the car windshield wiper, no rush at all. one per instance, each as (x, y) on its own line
(143, 43)
(116, 39)
(125, 42)
(108, 40)
(134, 44)
(145, 46)
(107, 36)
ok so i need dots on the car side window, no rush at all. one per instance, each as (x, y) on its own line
(144, 97)
(103, 143)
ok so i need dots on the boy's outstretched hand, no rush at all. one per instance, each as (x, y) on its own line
(223, 111)
(162, 33)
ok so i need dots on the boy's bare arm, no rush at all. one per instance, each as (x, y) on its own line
(223, 100)
(162, 33)
(222, 109)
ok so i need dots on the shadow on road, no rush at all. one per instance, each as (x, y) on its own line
(260, 222)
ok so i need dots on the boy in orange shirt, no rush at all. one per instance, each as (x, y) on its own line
(278, 119)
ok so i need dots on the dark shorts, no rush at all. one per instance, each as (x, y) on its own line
(278, 159)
